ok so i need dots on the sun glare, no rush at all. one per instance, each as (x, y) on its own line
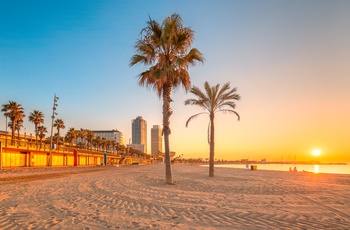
(316, 152)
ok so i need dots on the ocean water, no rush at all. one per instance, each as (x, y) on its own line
(321, 168)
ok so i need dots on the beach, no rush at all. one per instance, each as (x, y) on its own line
(136, 197)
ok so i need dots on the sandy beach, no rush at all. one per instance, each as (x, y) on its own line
(136, 197)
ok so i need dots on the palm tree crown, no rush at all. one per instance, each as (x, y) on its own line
(71, 135)
(41, 133)
(37, 118)
(59, 124)
(166, 49)
(90, 137)
(213, 100)
(15, 112)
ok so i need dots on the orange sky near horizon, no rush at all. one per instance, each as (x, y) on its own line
(285, 127)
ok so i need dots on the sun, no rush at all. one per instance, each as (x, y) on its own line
(316, 152)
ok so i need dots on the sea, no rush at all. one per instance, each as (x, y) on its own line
(320, 168)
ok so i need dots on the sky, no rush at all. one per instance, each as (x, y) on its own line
(288, 59)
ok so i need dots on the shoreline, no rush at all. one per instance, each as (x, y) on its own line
(137, 197)
(275, 167)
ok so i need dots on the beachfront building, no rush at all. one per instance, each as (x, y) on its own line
(111, 135)
(156, 140)
(139, 132)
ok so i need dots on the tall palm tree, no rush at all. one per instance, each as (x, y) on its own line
(41, 133)
(37, 118)
(15, 112)
(166, 48)
(213, 100)
(59, 124)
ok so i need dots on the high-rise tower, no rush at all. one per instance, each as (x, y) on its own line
(139, 132)
(156, 140)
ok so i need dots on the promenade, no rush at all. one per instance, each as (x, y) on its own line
(136, 197)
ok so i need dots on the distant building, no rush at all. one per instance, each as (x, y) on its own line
(156, 140)
(140, 147)
(111, 135)
(139, 132)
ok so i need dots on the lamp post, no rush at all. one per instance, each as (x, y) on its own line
(6, 132)
(55, 99)
(25, 137)
(0, 155)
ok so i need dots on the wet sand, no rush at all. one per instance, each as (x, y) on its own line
(136, 197)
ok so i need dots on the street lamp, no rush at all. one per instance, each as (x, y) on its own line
(55, 99)
(6, 131)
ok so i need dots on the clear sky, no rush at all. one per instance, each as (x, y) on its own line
(288, 59)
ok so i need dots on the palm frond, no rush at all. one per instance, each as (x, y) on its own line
(194, 101)
(196, 91)
(138, 59)
(193, 56)
(193, 117)
(230, 111)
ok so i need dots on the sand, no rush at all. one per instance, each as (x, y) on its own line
(136, 197)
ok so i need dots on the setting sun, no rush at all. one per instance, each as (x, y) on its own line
(316, 152)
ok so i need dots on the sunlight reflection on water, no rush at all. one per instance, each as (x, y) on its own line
(316, 169)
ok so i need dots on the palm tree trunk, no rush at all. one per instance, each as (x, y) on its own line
(36, 135)
(18, 137)
(58, 137)
(166, 132)
(13, 131)
(212, 145)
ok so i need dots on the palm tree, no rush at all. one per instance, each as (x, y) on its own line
(71, 135)
(108, 144)
(213, 100)
(59, 124)
(90, 137)
(166, 49)
(97, 143)
(18, 126)
(41, 132)
(37, 118)
(15, 112)
(82, 133)
(103, 143)
(120, 149)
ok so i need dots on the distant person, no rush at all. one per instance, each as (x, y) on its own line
(295, 169)
(290, 169)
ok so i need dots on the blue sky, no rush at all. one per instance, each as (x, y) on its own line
(288, 59)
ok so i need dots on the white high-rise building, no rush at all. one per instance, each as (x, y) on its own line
(156, 140)
(112, 135)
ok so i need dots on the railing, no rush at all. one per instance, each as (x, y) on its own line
(31, 145)
(23, 144)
